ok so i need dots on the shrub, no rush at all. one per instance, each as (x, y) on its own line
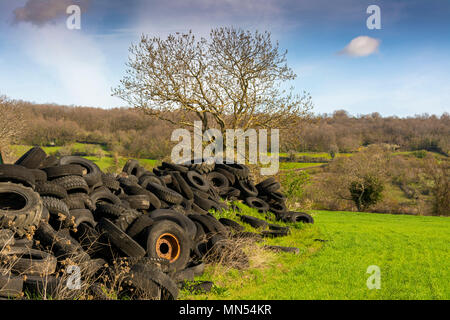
(366, 192)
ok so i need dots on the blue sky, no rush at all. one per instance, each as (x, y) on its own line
(405, 69)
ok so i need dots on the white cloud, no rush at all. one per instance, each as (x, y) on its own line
(74, 60)
(361, 46)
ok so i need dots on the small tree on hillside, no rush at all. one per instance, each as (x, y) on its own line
(233, 80)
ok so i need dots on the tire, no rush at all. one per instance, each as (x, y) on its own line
(55, 206)
(73, 184)
(42, 284)
(139, 225)
(139, 202)
(144, 276)
(10, 286)
(254, 222)
(110, 182)
(166, 239)
(82, 215)
(30, 261)
(32, 158)
(272, 188)
(184, 222)
(144, 180)
(232, 224)
(39, 175)
(247, 188)
(20, 208)
(174, 167)
(92, 173)
(104, 195)
(197, 181)
(274, 233)
(283, 249)
(201, 167)
(265, 183)
(231, 178)
(120, 239)
(209, 223)
(278, 208)
(63, 170)
(200, 234)
(49, 161)
(240, 171)
(292, 216)
(164, 193)
(257, 203)
(131, 167)
(217, 180)
(51, 189)
(17, 174)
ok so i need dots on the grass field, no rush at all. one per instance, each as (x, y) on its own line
(412, 252)
(297, 165)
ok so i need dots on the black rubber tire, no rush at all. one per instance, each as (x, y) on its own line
(104, 195)
(120, 239)
(42, 284)
(32, 158)
(210, 224)
(82, 215)
(49, 161)
(257, 203)
(283, 249)
(201, 167)
(131, 167)
(197, 210)
(90, 239)
(139, 202)
(265, 183)
(232, 193)
(184, 243)
(171, 215)
(186, 190)
(55, 206)
(164, 193)
(197, 181)
(11, 286)
(25, 214)
(144, 276)
(204, 203)
(39, 175)
(51, 189)
(17, 174)
(276, 196)
(274, 187)
(139, 225)
(63, 170)
(231, 177)
(111, 211)
(109, 181)
(73, 184)
(125, 220)
(200, 234)
(232, 224)
(217, 180)
(274, 233)
(247, 188)
(29, 261)
(93, 173)
(293, 216)
(144, 180)
(240, 171)
(174, 167)
(254, 222)
(278, 208)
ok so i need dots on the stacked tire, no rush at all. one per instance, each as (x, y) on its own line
(158, 221)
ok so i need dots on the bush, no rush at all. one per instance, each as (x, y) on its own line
(366, 192)
(294, 183)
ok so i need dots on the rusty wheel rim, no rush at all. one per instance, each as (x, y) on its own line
(168, 247)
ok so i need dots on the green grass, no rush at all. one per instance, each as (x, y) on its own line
(413, 254)
(314, 154)
(297, 165)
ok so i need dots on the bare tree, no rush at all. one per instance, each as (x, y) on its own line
(11, 122)
(234, 80)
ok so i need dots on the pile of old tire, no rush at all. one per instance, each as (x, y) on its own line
(158, 222)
